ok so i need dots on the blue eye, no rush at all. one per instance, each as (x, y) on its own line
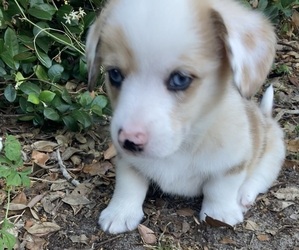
(179, 81)
(115, 77)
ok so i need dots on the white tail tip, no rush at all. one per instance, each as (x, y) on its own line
(267, 101)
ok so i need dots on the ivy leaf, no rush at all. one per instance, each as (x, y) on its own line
(28, 88)
(40, 73)
(55, 72)
(11, 42)
(40, 14)
(82, 117)
(44, 59)
(33, 98)
(10, 93)
(85, 99)
(51, 114)
(100, 101)
(12, 148)
(70, 122)
(47, 96)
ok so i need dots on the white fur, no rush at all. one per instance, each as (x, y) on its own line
(193, 146)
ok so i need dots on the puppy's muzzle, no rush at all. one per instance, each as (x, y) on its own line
(132, 141)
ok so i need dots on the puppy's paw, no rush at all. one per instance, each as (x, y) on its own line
(119, 219)
(246, 198)
(230, 214)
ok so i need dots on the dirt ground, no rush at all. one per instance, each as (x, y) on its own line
(54, 214)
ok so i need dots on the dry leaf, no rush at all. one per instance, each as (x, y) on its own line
(43, 228)
(44, 146)
(79, 239)
(110, 152)
(227, 241)
(251, 225)
(39, 157)
(34, 242)
(216, 223)
(288, 193)
(97, 168)
(294, 80)
(185, 227)
(186, 212)
(3, 196)
(20, 199)
(78, 196)
(295, 18)
(80, 138)
(263, 237)
(147, 235)
(293, 145)
(69, 152)
(16, 207)
(278, 205)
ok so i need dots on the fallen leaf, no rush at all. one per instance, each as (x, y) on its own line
(15, 207)
(78, 196)
(227, 241)
(216, 223)
(34, 242)
(185, 227)
(263, 237)
(20, 199)
(44, 146)
(79, 239)
(3, 196)
(293, 145)
(187, 212)
(295, 18)
(80, 138)
(97, 168)
(278, 205)
(294, 81)
(110, 152)
(147, 235)
(69, 152)
(288, 193)
(251, 225)
(39, 158)
(43, 228)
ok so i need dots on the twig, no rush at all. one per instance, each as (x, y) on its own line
(48, 181)
(286, 111)
(289, 45)
(64, 170)
(109, 240)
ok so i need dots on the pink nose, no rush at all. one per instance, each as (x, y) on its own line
(132, 141)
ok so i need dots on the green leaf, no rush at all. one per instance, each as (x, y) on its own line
(40, 14)
(262, 5)
(44, 43)
(46, 7)
(28, 88)
(25, 57)
(66, 96)
(44, 59)
(51, 114)
(40, 73)
(26, 118)
(2, 72)
(14, 179)
(9, 240)
(100, 101)
(70, 122)
(62, 39)
(85, 99)
(9, 61)
(11, 42)
(12, 148)
(97, 110)
(33, 98)
(55, 72)
(59, 104)
(38, 31)
(287, 3)
(10, 93)
(47, 96)
(82, 117)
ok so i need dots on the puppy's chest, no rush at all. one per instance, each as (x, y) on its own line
(179, 174)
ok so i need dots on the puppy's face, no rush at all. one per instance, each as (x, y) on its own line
(167, 65)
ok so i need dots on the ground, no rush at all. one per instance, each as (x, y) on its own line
(54, 214)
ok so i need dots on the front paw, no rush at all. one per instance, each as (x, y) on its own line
(230, 214)
(119, 218)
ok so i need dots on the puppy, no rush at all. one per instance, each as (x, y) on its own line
(179, 74)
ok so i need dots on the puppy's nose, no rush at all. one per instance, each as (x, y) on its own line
(134, 141)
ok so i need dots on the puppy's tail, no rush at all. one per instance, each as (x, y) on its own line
(267, 101)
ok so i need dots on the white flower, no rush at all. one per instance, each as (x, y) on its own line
(81, 12)
(74, 15)
(67, 18)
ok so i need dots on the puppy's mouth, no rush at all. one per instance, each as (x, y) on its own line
(131, 147)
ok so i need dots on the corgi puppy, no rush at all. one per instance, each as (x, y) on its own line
(180, 74)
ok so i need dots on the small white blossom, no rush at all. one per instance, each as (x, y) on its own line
(74, 15)
(67, 18)
(81, 12)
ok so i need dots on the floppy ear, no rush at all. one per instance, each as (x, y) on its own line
(250, 45)
(93, 57)
(93, 44)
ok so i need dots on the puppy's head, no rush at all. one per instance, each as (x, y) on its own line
(169, 63)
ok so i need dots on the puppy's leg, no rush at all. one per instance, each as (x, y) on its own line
(124, 211)
(266, 170)
(220, 198)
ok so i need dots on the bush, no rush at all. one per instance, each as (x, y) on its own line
(42, 49)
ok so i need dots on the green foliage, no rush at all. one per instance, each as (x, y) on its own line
(41, 49)
(14, 175)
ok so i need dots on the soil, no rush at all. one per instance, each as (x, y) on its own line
(58, 215)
